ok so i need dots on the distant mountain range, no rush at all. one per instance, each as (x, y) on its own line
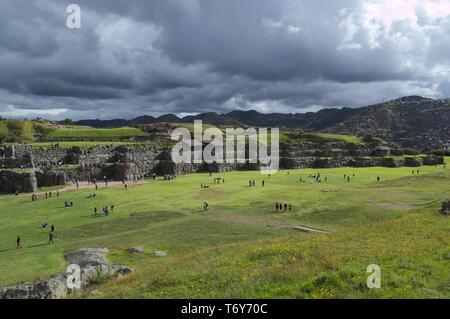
(411, 121)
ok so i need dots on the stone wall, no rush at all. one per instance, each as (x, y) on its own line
(122, 163)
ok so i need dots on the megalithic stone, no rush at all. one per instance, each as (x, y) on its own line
(29, 182)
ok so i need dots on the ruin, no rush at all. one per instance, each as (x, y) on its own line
(25, 168)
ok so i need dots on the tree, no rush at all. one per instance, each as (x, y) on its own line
(68, 121)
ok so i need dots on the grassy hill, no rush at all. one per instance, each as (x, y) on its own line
(414, 123)
(241, 248)
(95, 134)
(12, 131)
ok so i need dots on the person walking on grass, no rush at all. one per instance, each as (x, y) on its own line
(50, 240)
(205, 206)
(18, 243)
(95, 211)
(285, 206)
(52, 228)
(276, 207)
(290, 206)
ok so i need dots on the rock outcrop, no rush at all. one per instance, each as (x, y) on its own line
(92, 262)
(136, 250)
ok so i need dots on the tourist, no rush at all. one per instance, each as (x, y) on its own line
(52, 227)
(263, 183)
(253, 182)
(95, 211)
(290, 206)
(348, 178)
(205, 206)
(276, 207)
(46, 195)
(18, 243)
(285, 206)
(57, 193)
(378, 178)
(112, 208)
(50, 240)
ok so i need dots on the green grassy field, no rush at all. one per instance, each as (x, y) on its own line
(95, 134)
(241, 248)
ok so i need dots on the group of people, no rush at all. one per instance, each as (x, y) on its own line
(218, 179)
(168, 177)
(50, 235)
(49, 194)
(68, 204)
(105, 210)
(279, 206)
(317, 178)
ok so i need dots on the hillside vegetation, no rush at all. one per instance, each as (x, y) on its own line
(21, 131)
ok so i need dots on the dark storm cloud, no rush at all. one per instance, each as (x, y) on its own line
(156, 56)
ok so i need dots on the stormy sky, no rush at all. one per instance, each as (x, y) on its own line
(137, 57)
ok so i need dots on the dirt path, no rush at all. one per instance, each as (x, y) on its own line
(81, 185)
(265, 222)
(309, 229)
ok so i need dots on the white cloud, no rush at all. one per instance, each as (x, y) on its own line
(13, 111)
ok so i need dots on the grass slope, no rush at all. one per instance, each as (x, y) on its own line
(241, 248)
(95, 134)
